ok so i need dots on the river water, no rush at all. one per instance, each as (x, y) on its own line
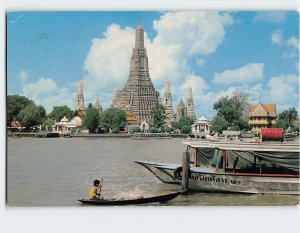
(59, 171)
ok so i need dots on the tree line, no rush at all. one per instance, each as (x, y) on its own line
(232, 114)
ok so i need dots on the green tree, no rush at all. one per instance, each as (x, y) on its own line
(153, 130)
(158, 117)
(15, 104)
(288, 116)
(58, 112)
(218, 124)
(281, 123)
(115, 130)
(233, 109)
(91, 119)
(136, 130)
(48, 122)
(240, 124)
(112, 118)
(185, 129)
(32, 115)
(169, 129)
(295, 128)
(183, 121)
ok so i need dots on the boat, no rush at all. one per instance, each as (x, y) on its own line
(135, 201)
(235, 167)
(143, 136)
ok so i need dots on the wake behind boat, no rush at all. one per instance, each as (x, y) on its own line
(268, 168)
(135, 201)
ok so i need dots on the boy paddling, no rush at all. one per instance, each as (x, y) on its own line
(94, 194)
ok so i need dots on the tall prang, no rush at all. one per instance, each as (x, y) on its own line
(181, 110)
(79, 96)
(97, 105)
(190, 112)
(138, 96)
(167, 103)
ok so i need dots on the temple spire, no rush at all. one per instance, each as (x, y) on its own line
(97, 104)
(168, 103)
(190, 112)
(139, 37)
(79, 96)
(138, 95)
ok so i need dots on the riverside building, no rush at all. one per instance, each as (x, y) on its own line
(262, 116)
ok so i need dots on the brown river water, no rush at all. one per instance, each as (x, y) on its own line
(59, 171)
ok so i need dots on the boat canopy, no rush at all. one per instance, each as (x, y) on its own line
(239, 146)
(242, 159)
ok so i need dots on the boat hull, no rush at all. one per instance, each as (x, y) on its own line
(243, 184)
(204, 180)
(114, 202)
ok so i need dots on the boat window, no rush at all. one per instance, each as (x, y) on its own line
(215, 159)
(263, 162)
(206, 157)
(220, 164)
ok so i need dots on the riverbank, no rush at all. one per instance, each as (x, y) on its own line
(80, 135)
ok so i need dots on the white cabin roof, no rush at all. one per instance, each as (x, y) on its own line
(242, 146)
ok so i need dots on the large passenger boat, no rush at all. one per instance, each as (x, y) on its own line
(267, 168)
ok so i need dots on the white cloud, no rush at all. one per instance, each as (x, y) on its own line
(293, 42)
(169, 53)
(196, 82)
(58, 98)
(271, 17)
(42, 86)
(292, 50)
(256, 93)
(291, 46)
(46, 93)
(284, 89)
(248, 73)
(276, 37)
(200, 62)
(109, 57)
(23, 75)
(203, 31)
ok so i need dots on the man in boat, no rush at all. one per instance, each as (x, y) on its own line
(95, 191)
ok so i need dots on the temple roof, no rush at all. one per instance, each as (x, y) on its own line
(130, 119)
(262, 109)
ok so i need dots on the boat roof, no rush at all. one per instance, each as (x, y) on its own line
(242, 146)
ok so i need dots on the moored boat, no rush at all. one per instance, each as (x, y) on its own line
(268, 168)
(135, 201)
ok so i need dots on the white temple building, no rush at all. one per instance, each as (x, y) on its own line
(201, 127)
(65, 126)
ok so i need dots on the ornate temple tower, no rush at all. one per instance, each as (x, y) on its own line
(97, 105)
(190, 103)
(181, 110)
(114, 98)
(167, 102)
(79, 96)
(138, 96)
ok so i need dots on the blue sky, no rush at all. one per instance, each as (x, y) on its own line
(216, 52)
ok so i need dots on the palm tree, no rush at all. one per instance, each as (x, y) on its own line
(289, 116)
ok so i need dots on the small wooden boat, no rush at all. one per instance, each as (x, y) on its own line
(142, 200)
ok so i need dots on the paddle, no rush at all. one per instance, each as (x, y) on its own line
(100, 186)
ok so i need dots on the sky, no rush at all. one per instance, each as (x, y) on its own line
(216, 52)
